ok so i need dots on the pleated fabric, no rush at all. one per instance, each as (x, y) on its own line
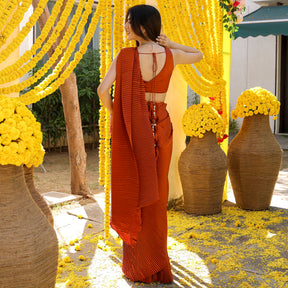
(140, 175)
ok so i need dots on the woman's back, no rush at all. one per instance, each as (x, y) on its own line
(156, 65)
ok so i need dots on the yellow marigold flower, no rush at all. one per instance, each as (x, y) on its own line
(76, 240)
(256, 101)
(67, 259)
(77, 248)
(214, 261)
(71, 243)
(201, 118)
(237, 224)
(59, 270)
(18, 130)
(61, 264)
(90, 226)
(81, 258)
(79, 216)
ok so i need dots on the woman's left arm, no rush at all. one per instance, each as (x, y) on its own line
(105, 85)
(182, 54)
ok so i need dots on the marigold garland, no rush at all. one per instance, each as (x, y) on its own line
(15, 20)
(201, 118)
(25, 30)
(108, 59)
(60, 47)
(102, 113)
(16, 73)
(256, 101)
(18, 68)
(9, 10)
(199, 24)
(42, 90)
(20, 134)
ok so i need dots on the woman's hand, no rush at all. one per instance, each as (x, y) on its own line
(163, 40)
(181, 54)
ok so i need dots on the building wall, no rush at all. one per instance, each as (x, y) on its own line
(253, 63)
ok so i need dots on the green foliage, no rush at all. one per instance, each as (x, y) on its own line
(230, 16)
(49, 110)
(233, 126)
(88, 79)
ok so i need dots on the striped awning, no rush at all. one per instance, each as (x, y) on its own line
(265, 21)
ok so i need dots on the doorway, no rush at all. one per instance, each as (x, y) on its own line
(283, 121)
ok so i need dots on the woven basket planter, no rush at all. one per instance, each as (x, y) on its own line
(29, 245)
(254, 158)
(29, 179)
(203, 167)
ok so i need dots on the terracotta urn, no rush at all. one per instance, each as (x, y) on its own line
(202, 168)
(254, 158)
(29, 245)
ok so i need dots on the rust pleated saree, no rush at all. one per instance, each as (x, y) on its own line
(140, 164)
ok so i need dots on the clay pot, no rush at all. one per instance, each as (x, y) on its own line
(203, 167)
(254, 158)
(29, 179)
(29, 245)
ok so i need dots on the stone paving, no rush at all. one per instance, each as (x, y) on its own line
(104, 267)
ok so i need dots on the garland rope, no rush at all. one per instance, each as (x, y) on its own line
(199, 24)
(25, 30)
(52, 39)
(107, 187)
(14, 20)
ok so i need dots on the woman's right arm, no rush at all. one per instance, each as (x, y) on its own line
(105, 85)
(181, 54)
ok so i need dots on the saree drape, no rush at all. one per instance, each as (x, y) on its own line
(140, 175)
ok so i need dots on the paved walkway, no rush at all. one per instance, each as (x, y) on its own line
(205, 251)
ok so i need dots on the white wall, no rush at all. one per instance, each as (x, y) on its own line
(28, 41)
(253, 63)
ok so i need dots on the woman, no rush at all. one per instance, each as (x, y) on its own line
(142, 142)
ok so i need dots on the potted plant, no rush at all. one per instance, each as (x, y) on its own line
(203, 164)
(254, 155)
(29, 243)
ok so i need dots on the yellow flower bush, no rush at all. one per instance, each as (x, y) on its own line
(256, 101)
(201, 118)
(20, 134)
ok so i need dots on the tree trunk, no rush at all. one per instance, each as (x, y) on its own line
(76, 147)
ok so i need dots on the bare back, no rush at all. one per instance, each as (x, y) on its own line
(147, 63)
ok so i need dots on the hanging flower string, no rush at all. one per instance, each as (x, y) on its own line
(14, 21)
(107, 187)
(26, 29)
(102, 112)
(8, 11)
(233, 14)
(62, 45)
(43, 89)
(199, 25)
(15, 67)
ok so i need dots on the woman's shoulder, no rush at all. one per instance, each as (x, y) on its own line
(127, 51)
